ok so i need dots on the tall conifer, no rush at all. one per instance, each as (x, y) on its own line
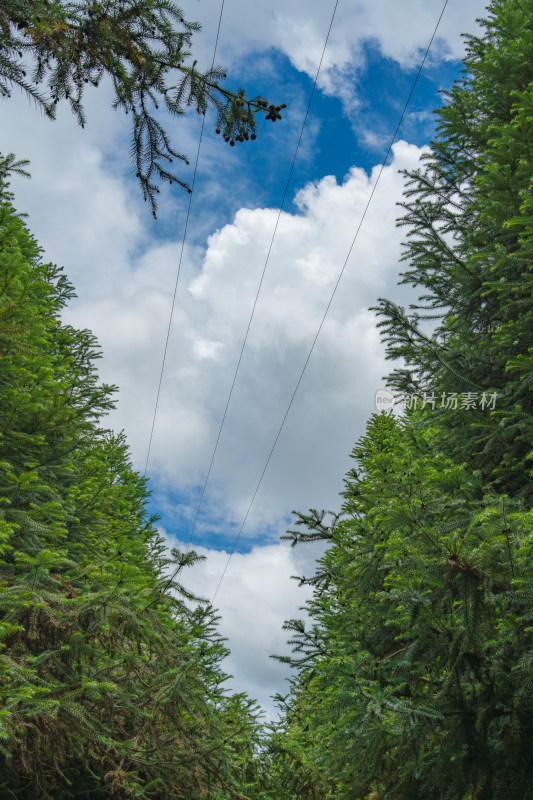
(469, 226)
(413, 680)
(110, 685)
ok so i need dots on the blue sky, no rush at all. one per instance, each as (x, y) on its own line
(333, 141)
(256, 172)
(86, 211)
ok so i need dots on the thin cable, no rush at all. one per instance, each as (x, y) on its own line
(181, 256)
(330, 301)
(258, 291)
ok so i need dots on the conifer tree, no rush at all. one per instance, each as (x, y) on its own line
(110, 680)
(413, 679)
(469, 225)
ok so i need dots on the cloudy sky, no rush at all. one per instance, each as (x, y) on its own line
(85, 209)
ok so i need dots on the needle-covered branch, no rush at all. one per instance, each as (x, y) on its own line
(53, 50)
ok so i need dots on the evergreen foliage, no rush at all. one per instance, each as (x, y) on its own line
(110, 687)
(143, 47)
(415, 676)
(413, 679)
(469, 227)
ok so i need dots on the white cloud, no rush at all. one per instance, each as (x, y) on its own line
(79, 209)
(255, 598)
(401, 31)
(126, 282)
(215, 296)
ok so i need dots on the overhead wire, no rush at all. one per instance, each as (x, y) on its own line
(330, 301)
(254, 306)
(191, 192)
(161, 591)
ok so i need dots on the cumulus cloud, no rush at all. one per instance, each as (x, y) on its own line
(215, 296)
(255, 598)
(126, 280)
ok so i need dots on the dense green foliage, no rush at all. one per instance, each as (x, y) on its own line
(469, 223)
(143, 47)
(109, 686)
(414, 679)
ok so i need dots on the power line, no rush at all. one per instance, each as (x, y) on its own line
(181, 255)
(330, 300)
(258, 290)
(195, 661)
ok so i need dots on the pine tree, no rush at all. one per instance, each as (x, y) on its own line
(143, 47)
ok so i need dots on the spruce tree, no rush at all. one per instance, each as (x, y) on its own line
(413, 679)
